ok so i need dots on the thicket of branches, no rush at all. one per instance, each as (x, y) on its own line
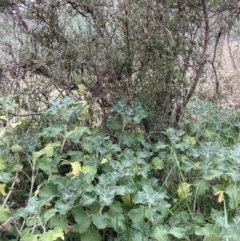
(152, 51)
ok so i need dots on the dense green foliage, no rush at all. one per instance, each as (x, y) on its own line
(62, 180)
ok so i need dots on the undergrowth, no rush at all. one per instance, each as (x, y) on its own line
(62, 180)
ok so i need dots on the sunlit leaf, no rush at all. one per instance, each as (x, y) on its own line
(2, 189)
(76, 168)
(219, 196)
(2, 165)
(183, 189)
(4, 214)
(160, 234)
(52, 235)
(189, 139)
(178, 232)
(157, 163)
(104, 160)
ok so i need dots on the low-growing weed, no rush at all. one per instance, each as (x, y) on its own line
(61, 180)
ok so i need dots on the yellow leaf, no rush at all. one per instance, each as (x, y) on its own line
(38, 189)
(196, 165)
(2, 189)
(47, 205)
(81, 88)
(219, 196)
(3, 118)
(183, 189)
(127, 200)
(76, 168)
(104, 160)
(190, 140)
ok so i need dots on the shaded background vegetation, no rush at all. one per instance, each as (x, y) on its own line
(157, 52)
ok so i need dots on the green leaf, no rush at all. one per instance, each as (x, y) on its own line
(2, 165)
(77, 78)
(5, 177)
(82, 219)
(159, 146)
(210, 175)
(158, 163)
(114, 124)
(201, 186)
(52, 131)
(178, 232)
(137, 215)
(91, 235)
(234, 194)
(63, 207)
(29, 237)
(58, 221)
(77, 133)
(160, 234)
(100, 220)
(127, 138)
(88, 199)
(52, 235)
(4, 214)
(48, 192)
(49, 214)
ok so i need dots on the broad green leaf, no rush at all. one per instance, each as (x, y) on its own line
(100, 220)
(48, 192)
(88, 199)
(4, 215)
(91, 235)
(137, 215)
(160, 234)
(52, 235)
(159, 146)
(2, 189)
(157, 163)
(58, 221)
(30, 237)
(201, 186)
(2, 165)
(5, 177)
(210, 175)
(63, 207)
(234, 194)
(82, 218)
(49, 148)
(49, 214)
(127, 138)
(52, 131)
(77, 133)
(178, 233)
(183, 189)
